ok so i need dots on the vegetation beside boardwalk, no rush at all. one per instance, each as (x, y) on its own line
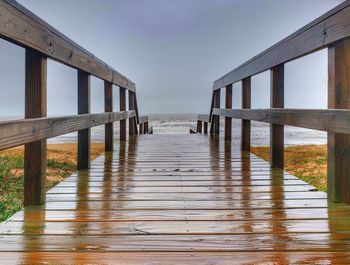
(307, 162)
(61, 163)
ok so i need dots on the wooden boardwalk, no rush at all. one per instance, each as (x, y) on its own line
(179, 199)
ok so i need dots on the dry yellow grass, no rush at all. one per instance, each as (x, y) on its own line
(61, 163)
(60, 153)
(308, 162)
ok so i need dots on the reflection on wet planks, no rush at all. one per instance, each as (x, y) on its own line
(170, 199)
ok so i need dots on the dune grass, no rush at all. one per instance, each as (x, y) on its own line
(61, 163)
(308, 162)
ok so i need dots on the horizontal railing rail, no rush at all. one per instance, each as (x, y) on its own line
(19, 132)
(328, 120)
(202, 124)
(330, 31)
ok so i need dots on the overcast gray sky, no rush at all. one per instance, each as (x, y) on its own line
(172, 49)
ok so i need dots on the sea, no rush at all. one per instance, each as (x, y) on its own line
(180, 124)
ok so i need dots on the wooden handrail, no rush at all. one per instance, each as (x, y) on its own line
(320, 33)
(203, 117)
(331, 31)
(22, 27)
(42, 41)
(143, 125)
(329, 120)
(18, 132)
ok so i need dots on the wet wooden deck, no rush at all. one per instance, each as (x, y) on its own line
(179, 199)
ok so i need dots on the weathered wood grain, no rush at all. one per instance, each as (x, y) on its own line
(228, 120)
(329, 120)
(84, 105)
(19, 132)
(277, 130)
(20, 26)
(178, 258)
(174, 194)
(122, 107)
(109, 132)
(35, 107)
(246, 104)
(132, 120)
(339, 144)
(320, 33)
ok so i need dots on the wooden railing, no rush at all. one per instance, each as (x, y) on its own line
(143, 126)
(41, 41)
(331, 31)
(202, 124)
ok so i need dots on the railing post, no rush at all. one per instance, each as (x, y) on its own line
(108, 108)
(205, 129)
(35, 107)
(141, 128)
(277, 130)
(339, 144)
(246, 104)
(199, 126)
(84, 136)
(146, 127)
(132, 120)
(215, 126)
(228, 120)
(122, 107)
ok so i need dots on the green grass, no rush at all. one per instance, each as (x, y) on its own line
(12, 181)
(11, 186)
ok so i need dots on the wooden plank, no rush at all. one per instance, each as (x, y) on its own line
(35, 107)
(246, 104)
(277, 130)
(36, 215)
(22, 27)
(109, 132)
(122, 107)
(189, 205)
(174, 227)
(177, 258)
(180, 183)
(338, 144)
(172, 196)
(84, 136)
(240, 189)
(320, 33)
(172, 243)
(228, 120)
